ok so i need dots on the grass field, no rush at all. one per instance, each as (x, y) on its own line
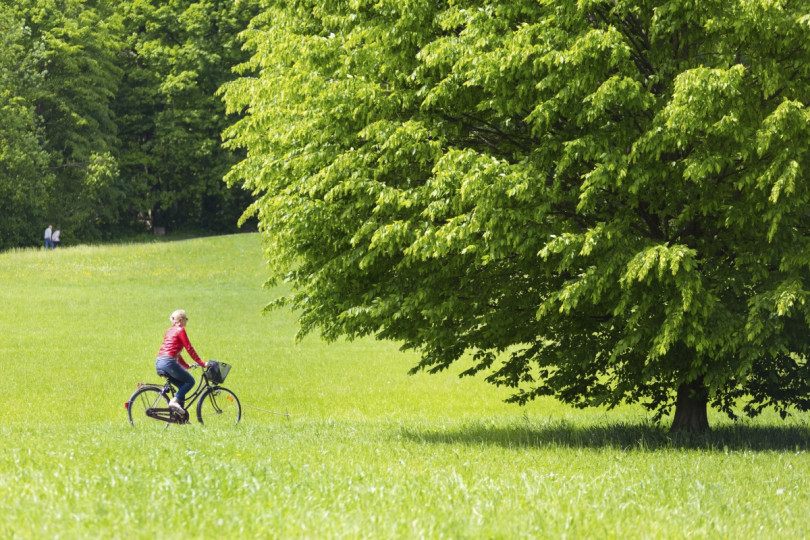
(368, 452)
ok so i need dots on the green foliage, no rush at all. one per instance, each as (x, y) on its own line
(110, 118)
(22, 157)
(79, 42)
(177, 54)
(599, 201)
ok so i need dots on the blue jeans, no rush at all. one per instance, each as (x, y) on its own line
(178, 376)
(48, 243)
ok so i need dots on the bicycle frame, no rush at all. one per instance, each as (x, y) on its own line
(171, 416)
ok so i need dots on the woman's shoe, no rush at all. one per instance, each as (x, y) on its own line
(174, 404)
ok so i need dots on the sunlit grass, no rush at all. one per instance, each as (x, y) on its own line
(368, 451)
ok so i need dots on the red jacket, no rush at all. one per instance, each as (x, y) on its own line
(174, 342)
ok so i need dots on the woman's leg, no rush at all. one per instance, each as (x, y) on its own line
(181, 378)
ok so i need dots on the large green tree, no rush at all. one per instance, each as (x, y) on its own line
(603, 201)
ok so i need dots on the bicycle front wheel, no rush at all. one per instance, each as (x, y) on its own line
(219, 407)
(147, 397)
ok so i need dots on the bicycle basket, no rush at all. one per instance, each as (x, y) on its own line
(217, 371)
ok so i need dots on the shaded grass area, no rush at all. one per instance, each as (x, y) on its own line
(639, 436)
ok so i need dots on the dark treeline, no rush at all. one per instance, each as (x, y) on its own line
(110, 124)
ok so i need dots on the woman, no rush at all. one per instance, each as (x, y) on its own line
(170, 362)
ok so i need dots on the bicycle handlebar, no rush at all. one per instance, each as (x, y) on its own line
(195, 365)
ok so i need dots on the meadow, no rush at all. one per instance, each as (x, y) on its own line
(368, 451)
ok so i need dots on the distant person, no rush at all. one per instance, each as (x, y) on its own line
(48, 236)
(170, 361)
(55, 238)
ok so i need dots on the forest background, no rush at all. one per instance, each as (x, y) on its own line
(110, 125)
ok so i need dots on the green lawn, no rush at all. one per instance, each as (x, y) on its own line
(368, 452)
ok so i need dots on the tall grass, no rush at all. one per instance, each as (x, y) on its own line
(368, 452)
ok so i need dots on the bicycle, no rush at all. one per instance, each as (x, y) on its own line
(148, 407)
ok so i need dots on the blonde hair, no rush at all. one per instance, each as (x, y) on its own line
(177, 315)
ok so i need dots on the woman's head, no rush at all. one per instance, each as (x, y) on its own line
(178, 317)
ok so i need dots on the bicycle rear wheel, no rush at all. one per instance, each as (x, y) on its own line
(219, 407)
(146, 397)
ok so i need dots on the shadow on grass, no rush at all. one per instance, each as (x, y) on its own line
(639, 437)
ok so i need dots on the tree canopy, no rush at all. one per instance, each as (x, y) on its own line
(602, 201)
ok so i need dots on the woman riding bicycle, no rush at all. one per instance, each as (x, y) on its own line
(170, 362)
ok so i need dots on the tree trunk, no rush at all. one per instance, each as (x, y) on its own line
(690, 408)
